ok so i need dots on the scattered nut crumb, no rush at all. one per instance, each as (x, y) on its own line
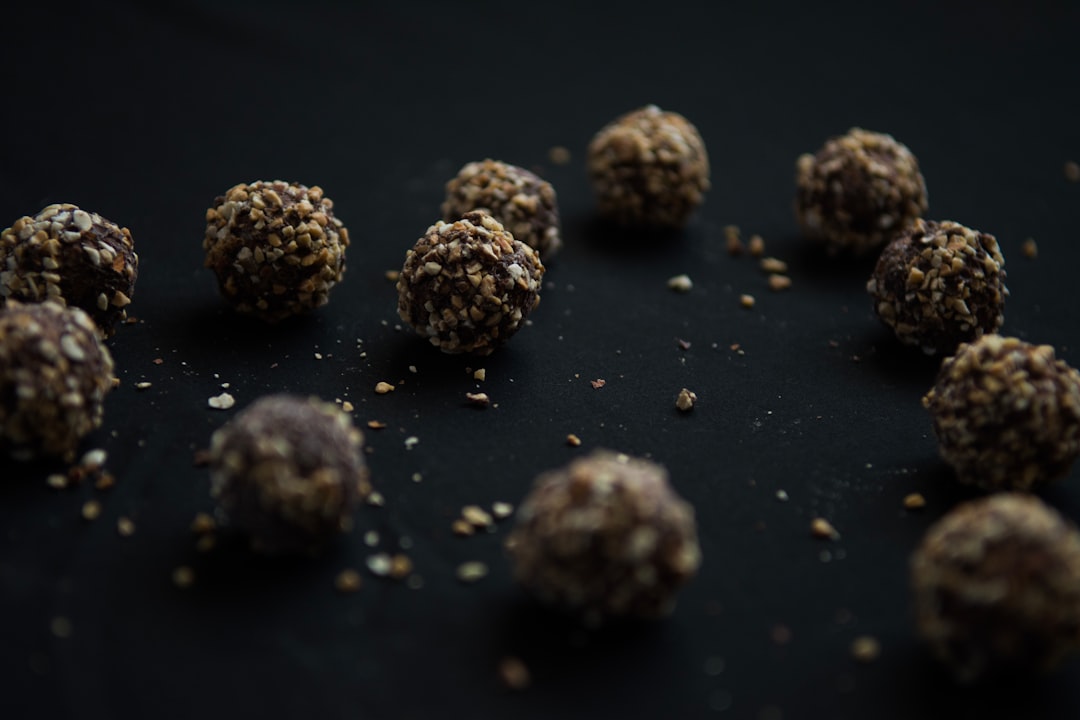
(514, 674)
(822, 528)
(158, 361)
(462, 528)
(773, 265)
(206, 542)
(411, 442)
(680, 283)
(502, 510)
(376, 499)
(224, 401)
(478, 399)
(733, 240)
(865, 648)
(105, 481)
(757, 245)
(376, 424)
(400, 566)
(779, 282)
(471, 571)
(59, 481)
(125, 526)
(1072, 171)
(914, 501)
(559, 155)
(379, 564)
(142, 385)
(598, 383)
(573, 440)
(93, 460)
(347, 581)
(480, 375)
(347, 406)
(476, 516)
(383, 387)
(782, 495)
(201, 457)
(1030, 249)
(686, 399)
(183, 577)
(747, 301)
(392, 275)
(203, 523)
(91, 510)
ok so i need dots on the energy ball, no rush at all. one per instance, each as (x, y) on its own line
(467, 286)
(858, 191)
(54, 375)
(1006, 414)
(940, 284)
(276, 248)
(524, 203)
(73, 257)
(648, 169)
(288, 471)
(997, 587)
(605, 537)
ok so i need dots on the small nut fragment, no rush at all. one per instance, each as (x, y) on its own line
(773, 265)
(476, 516)
(1072, 171)
(1030, 249)
(685, 401)
(462, 528)
(747, 301)
(757, 245)
(183, 577)
(779, 282)
(514, 674)
(347, 581)
(573, 440)
(865, 648)
(91, 510)
(381, 388)
(125, 526)
(822, 528)
(478, 399)
(914, 501)
(224, 401)
(471, 571)
(680, 283)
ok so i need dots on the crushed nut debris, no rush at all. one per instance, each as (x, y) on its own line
(471, 571)
(480, 375)
(914, 501)
(347, 406)
(347, 581)
(514, 674)
(733, 241)
(822, 528)
(203, 523)
(573, 440)
(376, 424)
(686, 400)
(379, 564)
(502, 510)
(773, 265)
(400, 566)
(1072, 171)
(779, 282)
(382, 387)
(58, 481)
(125, 526)
(559, 155)
(1030, 249)
(680, 283)
(392, 275)
(865, 648)
(476, 516)
(757, 246)
(462, 528)
(480, 400)
(91, 510)
(598, 383)
(747, 301)
(183, 577)
(224, 401)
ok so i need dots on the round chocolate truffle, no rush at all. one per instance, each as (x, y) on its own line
(605, 537)
(858, 191)
(524, 203)
(649, 169)
(940, 284)
(997, 587)
(468, 286)
(1006, 414)
(71, 256)
(276, 248)
(288, 471)
(54, 374)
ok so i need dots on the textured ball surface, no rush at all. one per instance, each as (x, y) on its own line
(605, 536)
(54, 375)
(858, 191)
(276, 248)
(468, 286)
(940, 284)
(649, 169)
(524, 203)
(996, 584)
(1006, 414)
(73, 257)
(288, 471)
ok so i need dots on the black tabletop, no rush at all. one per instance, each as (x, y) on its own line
(144, 112)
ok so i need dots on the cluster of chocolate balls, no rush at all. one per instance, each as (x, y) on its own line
(996, 581)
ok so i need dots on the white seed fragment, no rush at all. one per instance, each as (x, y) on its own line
(70, 347)
(685, 401)
(224, 401)
(680, 283)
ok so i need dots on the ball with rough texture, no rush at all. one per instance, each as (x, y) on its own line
(605, 537)
(276, 248)
(523, 202)
(468, 286)
(858, 191)
(54, 375)
(937, 285)
(1006, 414)
(73, 257)
(649, 169)
(996, 585)
(288, 471)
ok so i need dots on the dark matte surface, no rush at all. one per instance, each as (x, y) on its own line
(145, 114)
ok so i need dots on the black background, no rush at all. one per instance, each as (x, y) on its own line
(146, 113)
